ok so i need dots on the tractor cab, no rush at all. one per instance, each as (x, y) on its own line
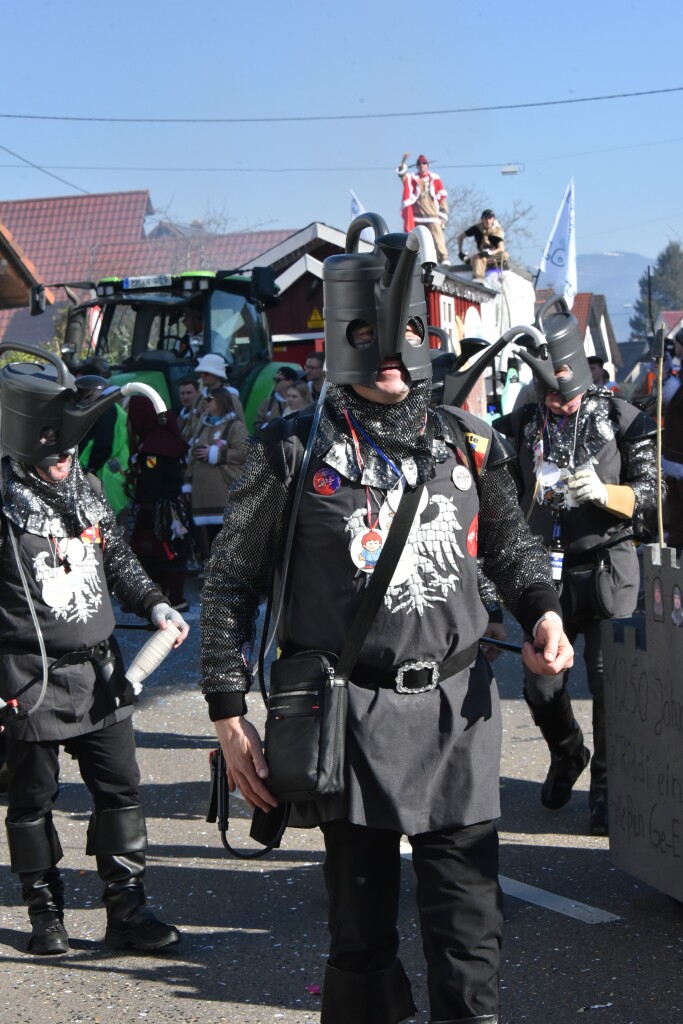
(154, 328)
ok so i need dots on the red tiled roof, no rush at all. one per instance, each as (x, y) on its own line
(89, 237)
(580, 309)
(18, 275)
(173, 255)
(671, 318)
(63, 236)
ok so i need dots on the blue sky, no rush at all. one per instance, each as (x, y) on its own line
(269, 59)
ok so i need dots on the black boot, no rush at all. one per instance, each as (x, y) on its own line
(382, 997)
(118, 839)
(568, 755)
(597, 798)
(34, 853)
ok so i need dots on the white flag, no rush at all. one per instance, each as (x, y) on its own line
(559, 259)
(357, 208)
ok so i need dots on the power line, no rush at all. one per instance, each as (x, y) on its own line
(249, 170)
(338, 117)
(381, 168)
(43, 170)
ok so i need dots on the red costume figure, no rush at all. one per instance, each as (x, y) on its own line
(425, 201)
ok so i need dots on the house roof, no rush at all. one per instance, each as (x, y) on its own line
(64, 235)
(672, 319)
(196, 252)
(17, 273)
(77, 238)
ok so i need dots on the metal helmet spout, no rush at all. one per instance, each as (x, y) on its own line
(382, 289)
(396, 287)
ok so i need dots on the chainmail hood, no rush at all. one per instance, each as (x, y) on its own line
(576, 440)
(62, 509)
(399, 430)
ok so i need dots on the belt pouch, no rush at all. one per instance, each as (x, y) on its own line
(108, 665)
(306, 727)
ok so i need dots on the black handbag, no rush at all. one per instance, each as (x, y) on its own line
(589, 590)
(308, 698)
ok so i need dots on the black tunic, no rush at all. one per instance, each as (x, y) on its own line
(415, 762)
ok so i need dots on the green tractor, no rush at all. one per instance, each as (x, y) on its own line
(154, 328)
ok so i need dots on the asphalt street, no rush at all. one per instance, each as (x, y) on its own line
(581, 936)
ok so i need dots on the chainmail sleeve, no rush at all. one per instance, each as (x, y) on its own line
(640, 472)
(241, 569)
(510, 555)
(126, 578)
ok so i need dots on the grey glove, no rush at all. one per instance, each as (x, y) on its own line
(163, 612)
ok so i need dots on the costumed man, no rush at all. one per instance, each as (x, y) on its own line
(489, 239)
(425, 201)
(61, 556)
(588, 473)
(423, 731)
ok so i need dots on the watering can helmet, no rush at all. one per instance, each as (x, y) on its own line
(45, 412)
(381, 289)
(565, 349)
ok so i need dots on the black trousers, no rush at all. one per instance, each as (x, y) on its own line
(459, 903)
(541, 689)
(106, 760)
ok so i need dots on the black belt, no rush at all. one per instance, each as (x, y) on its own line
(77, 657)
(413, 676)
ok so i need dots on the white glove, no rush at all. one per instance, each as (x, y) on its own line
(584, 486)
(163, 613)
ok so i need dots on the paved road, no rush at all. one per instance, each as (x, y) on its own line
(580, 936)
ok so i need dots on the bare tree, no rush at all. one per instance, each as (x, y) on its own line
(466, 203)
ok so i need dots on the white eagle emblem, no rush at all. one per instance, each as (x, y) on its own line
(433, 548)
(74, 595)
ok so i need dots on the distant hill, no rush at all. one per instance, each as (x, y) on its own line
(614, 275)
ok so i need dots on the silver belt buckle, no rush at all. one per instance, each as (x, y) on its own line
(407, 666)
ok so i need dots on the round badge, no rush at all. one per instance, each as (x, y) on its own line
(472, 537)
(462, 478)
(326, 481)
(365, 548)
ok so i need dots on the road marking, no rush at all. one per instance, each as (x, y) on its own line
(542, 898)
(551, 901)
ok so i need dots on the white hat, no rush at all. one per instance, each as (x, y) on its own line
(212, 363)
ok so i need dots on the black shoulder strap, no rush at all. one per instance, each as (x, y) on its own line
(278, 439)
(459, 439)
(95, 484)
(298, 472)
(380, 580)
